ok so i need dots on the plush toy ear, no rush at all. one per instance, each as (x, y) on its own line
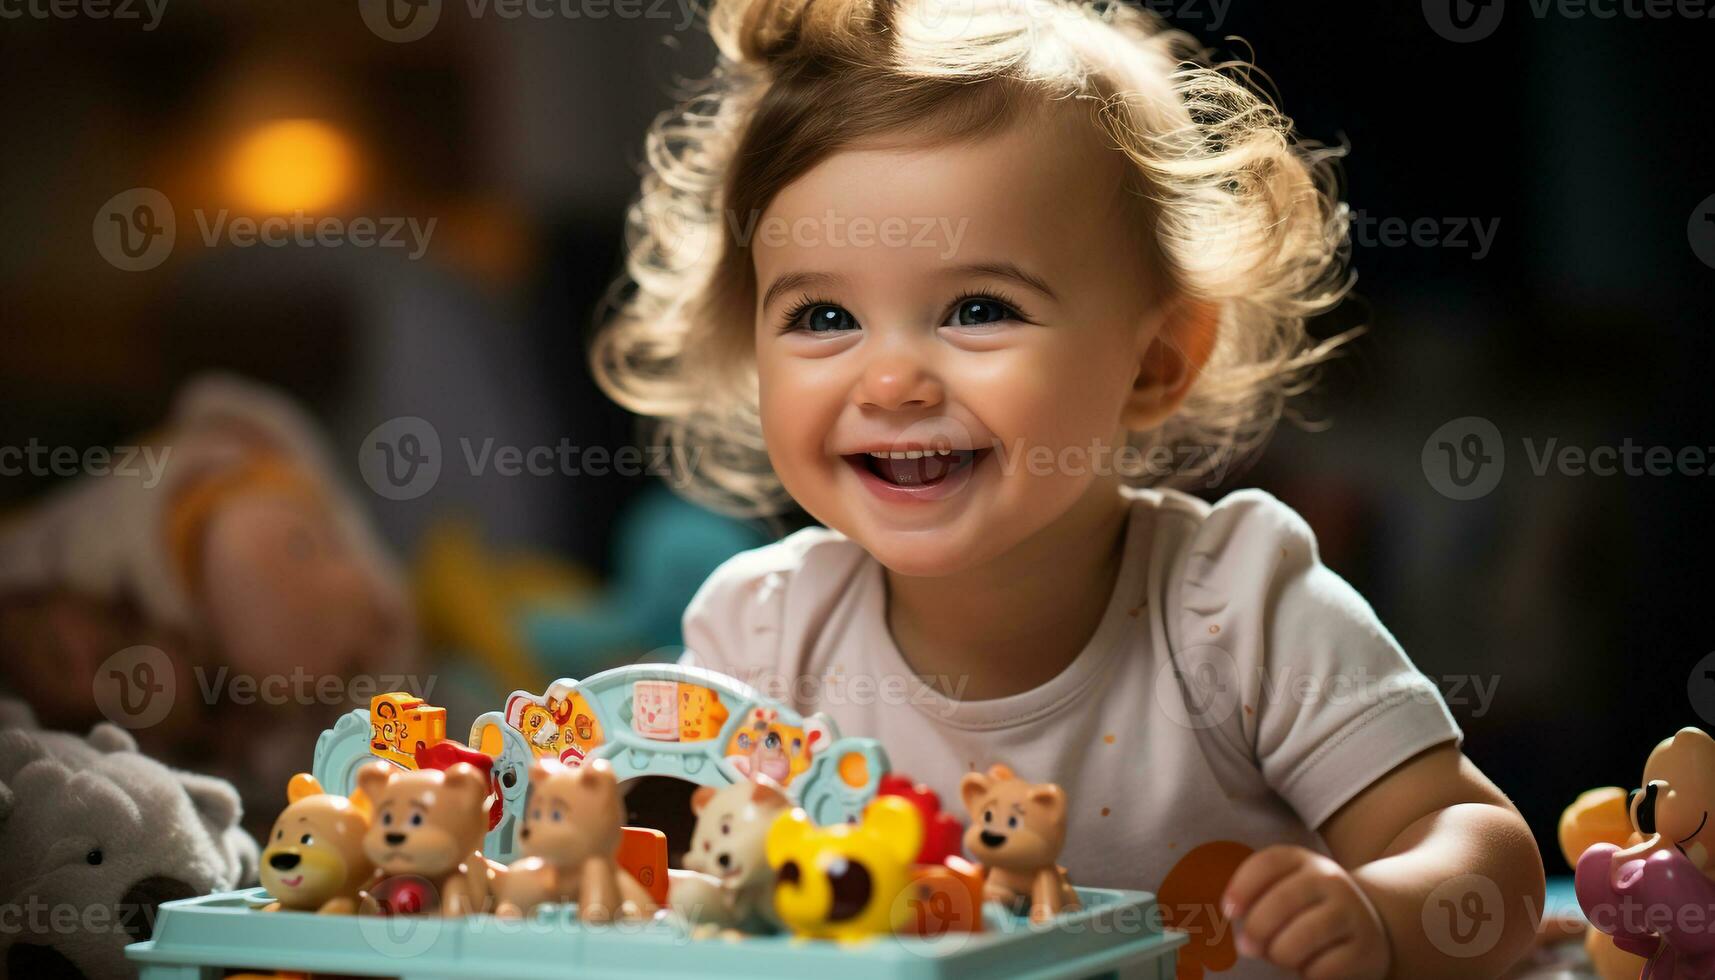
(300, 786)
(106, 737)
(897, 824)
(766, 792)
(215, 800)
(784, 834)
(8, 803)
(972, 788)
(1049, 796)
(373, 778)
(700, 798)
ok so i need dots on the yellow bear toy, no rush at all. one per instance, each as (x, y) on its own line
(842, 881)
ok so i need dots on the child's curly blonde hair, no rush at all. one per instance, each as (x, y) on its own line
(1241, 216)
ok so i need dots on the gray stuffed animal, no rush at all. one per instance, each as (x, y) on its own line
(93, 837)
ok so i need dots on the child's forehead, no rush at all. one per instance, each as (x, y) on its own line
(1050, 183)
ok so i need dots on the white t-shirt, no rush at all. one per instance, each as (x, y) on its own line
(1236, 689)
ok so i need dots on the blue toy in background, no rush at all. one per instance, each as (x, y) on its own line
(502, 621)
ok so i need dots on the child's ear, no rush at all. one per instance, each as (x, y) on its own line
(1172, 362)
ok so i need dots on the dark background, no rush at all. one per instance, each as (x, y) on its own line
(1584, 598)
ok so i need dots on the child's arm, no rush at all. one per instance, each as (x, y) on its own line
(1391, 905)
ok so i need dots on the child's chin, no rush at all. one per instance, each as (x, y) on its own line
(922, 555)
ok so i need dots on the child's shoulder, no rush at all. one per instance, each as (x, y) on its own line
(741, 615)
(1239, 527)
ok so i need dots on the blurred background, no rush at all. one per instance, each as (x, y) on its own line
(1532, 246)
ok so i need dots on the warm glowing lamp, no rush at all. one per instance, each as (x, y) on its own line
(292, 165)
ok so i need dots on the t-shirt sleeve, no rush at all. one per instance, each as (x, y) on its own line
(736, 623)
(1330, 701)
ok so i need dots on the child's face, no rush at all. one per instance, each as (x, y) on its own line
(987, 297)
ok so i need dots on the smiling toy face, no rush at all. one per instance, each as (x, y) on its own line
(1673, 807)
(426, 821)
(1015, 825)
(314, 853)
(732, 830)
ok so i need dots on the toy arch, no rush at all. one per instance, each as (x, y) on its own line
(692, 724)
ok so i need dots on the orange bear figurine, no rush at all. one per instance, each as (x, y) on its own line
(425, 840)
(314, 860)
(1016, 833)
(570, 837)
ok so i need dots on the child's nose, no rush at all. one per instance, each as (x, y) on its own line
(896, 380)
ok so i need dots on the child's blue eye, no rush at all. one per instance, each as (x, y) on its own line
(820, 318)
(979, 310)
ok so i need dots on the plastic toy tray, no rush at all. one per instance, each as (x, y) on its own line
(1117, 933)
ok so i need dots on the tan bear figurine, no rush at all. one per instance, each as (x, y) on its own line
(1017, 831)
(314, 860)
(570, 836)
(425, 840)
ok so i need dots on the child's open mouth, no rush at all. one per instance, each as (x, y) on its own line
(918, 473)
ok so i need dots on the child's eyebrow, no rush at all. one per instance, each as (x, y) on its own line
(798, 280)
(1002, 270)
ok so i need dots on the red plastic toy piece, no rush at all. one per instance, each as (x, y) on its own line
(941, 831)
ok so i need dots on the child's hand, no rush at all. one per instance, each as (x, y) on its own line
(1301, 911)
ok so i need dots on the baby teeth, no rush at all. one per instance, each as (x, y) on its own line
(913, 454)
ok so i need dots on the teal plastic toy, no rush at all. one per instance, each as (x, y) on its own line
(691, 724)
(1115, 933)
